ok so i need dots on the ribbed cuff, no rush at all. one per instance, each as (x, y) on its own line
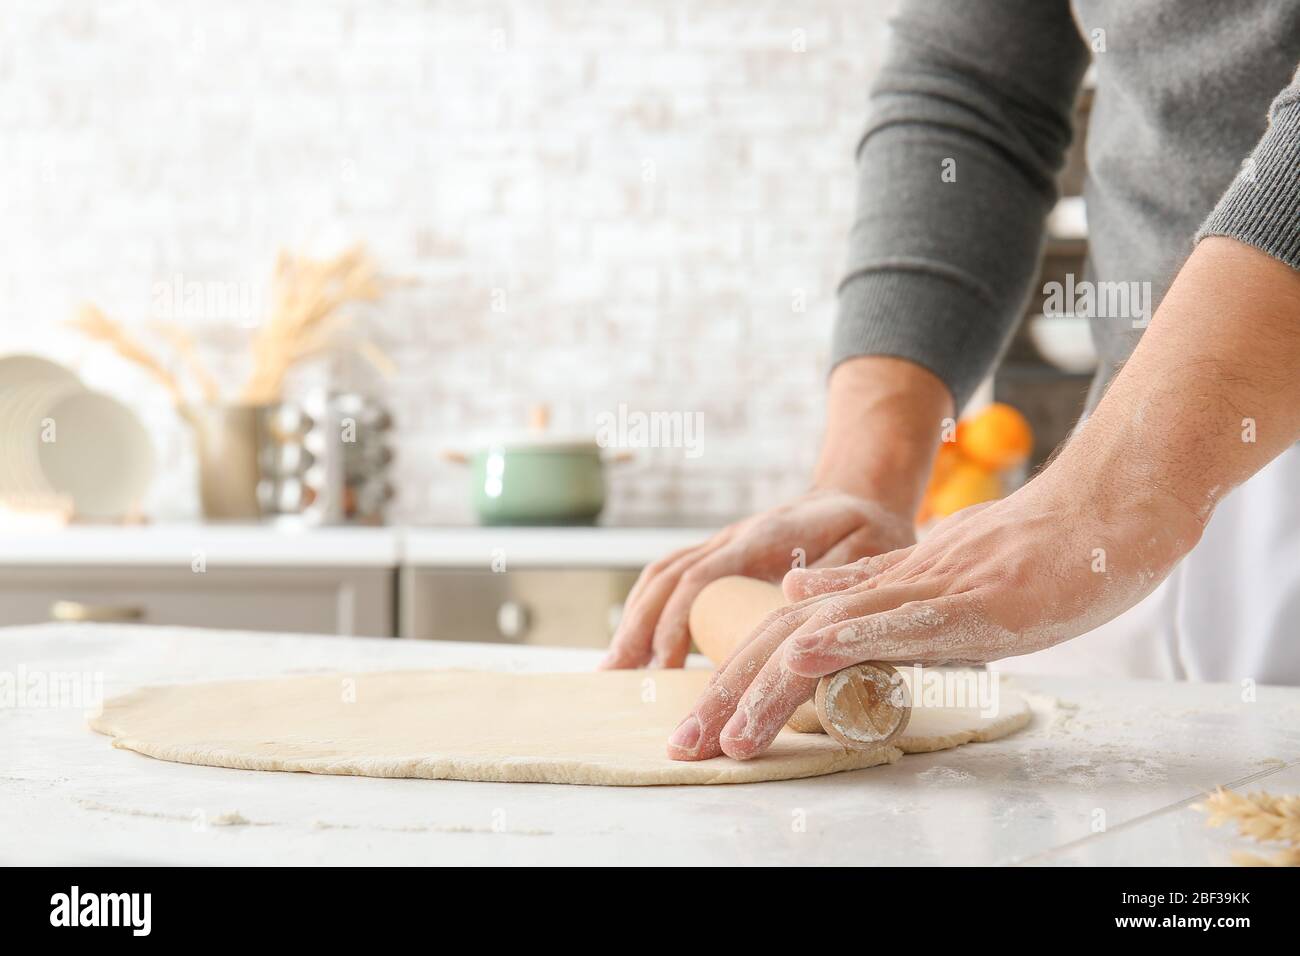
(1262, 206)
(920, 316)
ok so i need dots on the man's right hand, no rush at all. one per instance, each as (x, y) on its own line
(820, 529)
(883, 422)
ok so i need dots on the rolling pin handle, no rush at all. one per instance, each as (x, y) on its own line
(863, 706)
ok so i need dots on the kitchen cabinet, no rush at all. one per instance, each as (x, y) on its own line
(559, 586)
(560, 607)
(350, 601)
(562, 587)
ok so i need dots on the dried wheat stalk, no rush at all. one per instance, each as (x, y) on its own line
(1263, 817)
(304, 322)
(187, 349)
(93, 323)
(304, 313)
(1284, 858)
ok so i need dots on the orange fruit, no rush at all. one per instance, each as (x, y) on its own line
(998, 438)
(969, 484)
(945, 462)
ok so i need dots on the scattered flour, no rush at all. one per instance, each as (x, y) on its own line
(945, 776)
(231, 819)
(228, 818)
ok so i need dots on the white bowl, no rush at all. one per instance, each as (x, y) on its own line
(101, 458)
(22, 413)
(1065, 342)
(27, 384)
(18, 370)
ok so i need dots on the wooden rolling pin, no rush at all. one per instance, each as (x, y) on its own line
(863, 706)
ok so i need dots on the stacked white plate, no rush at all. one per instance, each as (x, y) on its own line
(64, 447)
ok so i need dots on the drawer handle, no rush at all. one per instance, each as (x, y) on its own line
(98, 613)
(513, 620)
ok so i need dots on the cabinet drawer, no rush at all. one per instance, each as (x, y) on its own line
(556, 607)
(318, 601)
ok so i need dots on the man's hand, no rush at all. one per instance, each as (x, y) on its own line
(1209, 397)
(1044, 565)
(883, 422)
(824, 528)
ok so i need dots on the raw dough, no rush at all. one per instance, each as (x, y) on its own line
(606, 727)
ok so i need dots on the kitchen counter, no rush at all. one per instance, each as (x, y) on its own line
(411, 581)
(546, 547)
(262, 545)
(1104, 775)
(220, 544)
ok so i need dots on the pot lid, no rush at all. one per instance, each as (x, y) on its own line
(526, 442)
(536, 437)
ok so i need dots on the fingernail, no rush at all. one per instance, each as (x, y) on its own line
(735, 729)
(687, 734)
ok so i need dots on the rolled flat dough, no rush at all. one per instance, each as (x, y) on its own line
(607, 727)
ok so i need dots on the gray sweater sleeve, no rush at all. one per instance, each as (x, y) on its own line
(939, 271)
(1262, 206)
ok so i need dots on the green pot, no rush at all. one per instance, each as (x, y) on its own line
(538, 483)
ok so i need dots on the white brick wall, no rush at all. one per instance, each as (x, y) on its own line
(654, 185)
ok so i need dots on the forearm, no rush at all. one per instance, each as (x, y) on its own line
(956, 172)
(884, 417)
(1212, 393)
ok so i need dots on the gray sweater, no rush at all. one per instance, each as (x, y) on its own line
(970, 120)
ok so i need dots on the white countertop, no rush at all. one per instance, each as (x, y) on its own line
(262, 545)
(165, 545)
(546, 547)
(1104, 776)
